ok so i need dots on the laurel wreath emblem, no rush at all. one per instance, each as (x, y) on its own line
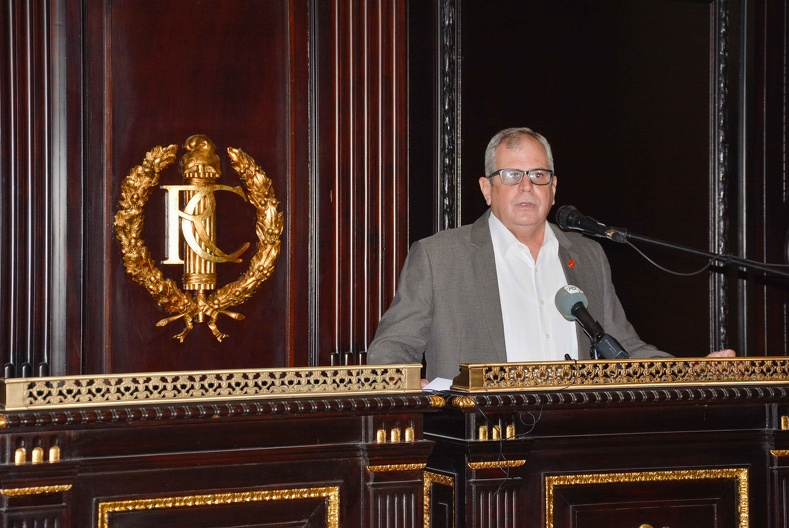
(136, 189)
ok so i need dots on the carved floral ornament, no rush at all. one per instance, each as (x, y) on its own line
(196, 222)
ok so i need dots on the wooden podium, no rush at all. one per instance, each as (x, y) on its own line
(642, 443)
(303, 447)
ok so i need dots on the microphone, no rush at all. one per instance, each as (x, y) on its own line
(568, 217)
(571, 303)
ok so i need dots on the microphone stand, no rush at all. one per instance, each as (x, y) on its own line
(621, 235)
(604, 345)
(607, 347)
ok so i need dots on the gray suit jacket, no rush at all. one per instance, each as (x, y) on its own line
(447, 304)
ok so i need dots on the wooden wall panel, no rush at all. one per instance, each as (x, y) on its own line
(158, 73)
(362, 81)
(315, 92)
(31, 282)
(318, 92)
(763, 224)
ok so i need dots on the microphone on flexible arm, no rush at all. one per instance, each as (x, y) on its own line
(568, 217)
(571, 303)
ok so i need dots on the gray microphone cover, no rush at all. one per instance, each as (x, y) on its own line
(567, 297)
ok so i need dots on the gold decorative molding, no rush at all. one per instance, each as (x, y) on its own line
(330, 493)
(200, 168)
(779, 453)
(202, 386)
(739, 475)
(631, 373)
(509, 433)
(395, 467)
(482, 432)
(430, 478)
(34, 490)
(496, 464)
(463, 402)
(410, 434)
(437, 402)
(380, 436)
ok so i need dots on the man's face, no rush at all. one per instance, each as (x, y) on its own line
(522, 208)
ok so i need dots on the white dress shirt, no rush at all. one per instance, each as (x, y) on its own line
(534, 330)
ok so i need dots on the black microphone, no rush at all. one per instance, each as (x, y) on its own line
(571, 303)
(568, 217)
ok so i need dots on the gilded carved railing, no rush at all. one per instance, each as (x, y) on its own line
(205, 386)
(631, 373)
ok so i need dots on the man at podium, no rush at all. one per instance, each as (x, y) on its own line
(484, 293)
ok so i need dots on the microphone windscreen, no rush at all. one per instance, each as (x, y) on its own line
(563, 215)
(567, 297)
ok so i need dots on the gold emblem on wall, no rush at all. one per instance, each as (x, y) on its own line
(195, 222)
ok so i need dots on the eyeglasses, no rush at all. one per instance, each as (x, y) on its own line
(515, 176)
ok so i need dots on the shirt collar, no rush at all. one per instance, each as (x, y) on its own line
(503, 238)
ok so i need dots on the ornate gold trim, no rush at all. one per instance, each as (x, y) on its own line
(740, 475)
(331, 493)
(779, 453)
(496, 464)
(631, 373)
(437, 402)
(464, 402)
(35, 490)
(430, 478)
(395, 467)
(135, 191)
(202, 386)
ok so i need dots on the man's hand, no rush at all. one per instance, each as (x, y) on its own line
(424, 383)
(727, 352)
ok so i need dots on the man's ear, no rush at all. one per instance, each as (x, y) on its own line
(484, 186)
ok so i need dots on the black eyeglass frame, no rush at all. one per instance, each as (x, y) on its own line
(523, 173)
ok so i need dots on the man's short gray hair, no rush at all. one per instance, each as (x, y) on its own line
(512, 137)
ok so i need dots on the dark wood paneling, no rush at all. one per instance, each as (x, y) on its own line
(315, 92)
(699, 504)
(156, 74)
(363, 165)
(319, 94)
(664, 457)
(26, 184)
(764, 213)
(300, 461)
(423, 118)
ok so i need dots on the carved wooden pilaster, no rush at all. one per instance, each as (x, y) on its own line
(32, 210)
(720, 171)
(448, 171)
(361, 192)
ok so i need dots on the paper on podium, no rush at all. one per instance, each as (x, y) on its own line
(438, 385)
